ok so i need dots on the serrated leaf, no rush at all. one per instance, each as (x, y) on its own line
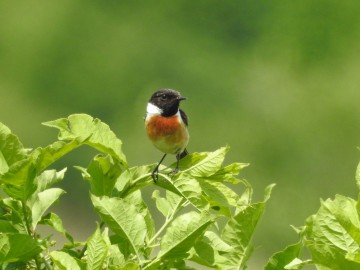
(41, 202)
(63, 261)
(183, 233)
(228, 174)
(96, 251)
(44, 157)
(332, 234)
(209, 165)
(123, 219)
(135, 198)
(239, 231)
(17, 247)
(90, 131)
(190, 189)
(180, 236)
(54, 221)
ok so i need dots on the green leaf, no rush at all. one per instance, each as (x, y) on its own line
(11, 149)
(180, 236)
(220, 197)
(208, 251)
(97, 249)
(44, 157)
(332, 234)
(19, 179)
(41, 202)
(48, 178)
(280, 259)
(297, 264)
(239, 231)
(133, 179)
(17, 247)
(102, 174)
(54, 221)
(14, 214)
(123, 219)
(168, 204)
(183, 233)
(115, 257)
(135, 198)
(208, 165)
(7, 227)
(189, 188)
(90, 131)
(228, 174)
(63, 261)
(357, 176)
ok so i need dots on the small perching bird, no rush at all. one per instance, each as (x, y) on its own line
(166, 126)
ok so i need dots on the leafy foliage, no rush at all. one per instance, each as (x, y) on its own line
(331, 237)
(205, 220)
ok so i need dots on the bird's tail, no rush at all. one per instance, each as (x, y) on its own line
(183, 154)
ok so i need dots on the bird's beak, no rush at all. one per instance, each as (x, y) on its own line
(182, 98)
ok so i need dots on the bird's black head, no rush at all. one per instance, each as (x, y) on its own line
(167, 100)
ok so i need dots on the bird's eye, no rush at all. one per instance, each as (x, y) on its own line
(163, 97)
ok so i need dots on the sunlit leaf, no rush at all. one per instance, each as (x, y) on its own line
(123, 219)
(42, 201)
(182, 234)
(97, 250)
(190, 189)
(239, 231)
(54, 221)
(48, 178)
(332, 234)
(357, 176)
(102, 174)
(90, 131)
(63, 261)
(280, 259)
(46, 156)
(11, 149)
(166, 205)
(17, 247)
(19, 179)
(209, 165)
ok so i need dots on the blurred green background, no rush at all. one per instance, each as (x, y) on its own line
(278, 81)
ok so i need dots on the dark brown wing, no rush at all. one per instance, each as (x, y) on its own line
(184, 117)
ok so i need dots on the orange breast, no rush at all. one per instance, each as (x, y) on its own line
(168, 134)
(159, 126)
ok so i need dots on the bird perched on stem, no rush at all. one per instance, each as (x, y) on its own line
(166, 126)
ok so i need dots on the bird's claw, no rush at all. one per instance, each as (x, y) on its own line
(155, 175)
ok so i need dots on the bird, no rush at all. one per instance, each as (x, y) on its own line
(166, 126)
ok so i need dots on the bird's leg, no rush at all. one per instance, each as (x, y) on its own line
(178, 157)
(155, 172)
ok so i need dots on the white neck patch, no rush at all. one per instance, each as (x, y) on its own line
(152, 109)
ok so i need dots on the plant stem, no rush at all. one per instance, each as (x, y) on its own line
(26, 217)
(167, 221)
